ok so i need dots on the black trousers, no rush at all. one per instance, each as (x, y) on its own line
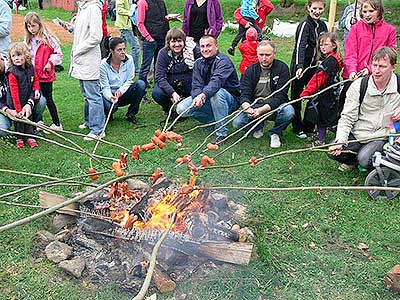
(296, 89)
(47, 92)
(23, 128)
(241, 34)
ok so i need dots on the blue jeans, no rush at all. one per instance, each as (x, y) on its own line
(131, 97)
(150, 51)
(94, 109)
(282, 119)
(130, 38)
(214, 109)
(37, 113)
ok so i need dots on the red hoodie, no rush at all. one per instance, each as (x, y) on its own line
(361, 43)
(249, 54)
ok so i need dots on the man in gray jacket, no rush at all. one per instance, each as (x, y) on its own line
(5, 27)
(85, 64)
(369, 116)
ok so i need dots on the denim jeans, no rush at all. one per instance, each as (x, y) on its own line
(282, 119)
(94, 109)
(129, 37)
(131, 97)
(150, 51)
(36, 115)
(214, 109)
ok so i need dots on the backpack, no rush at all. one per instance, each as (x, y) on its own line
(364, 85)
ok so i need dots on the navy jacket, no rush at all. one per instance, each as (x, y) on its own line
(279, 76)
(170, 69)
(211, 74)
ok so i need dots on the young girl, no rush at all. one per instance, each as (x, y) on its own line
(304, 55)
(248, 48)
(322, 110)
(46, 53)
(22, 90)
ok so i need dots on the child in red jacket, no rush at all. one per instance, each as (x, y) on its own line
(248, 48)
(46, 53)
(263, 8)
(22, 91)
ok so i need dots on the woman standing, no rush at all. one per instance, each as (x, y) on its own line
(202, 17)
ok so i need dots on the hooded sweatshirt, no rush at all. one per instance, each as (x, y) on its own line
(363, 40)
(248, 48)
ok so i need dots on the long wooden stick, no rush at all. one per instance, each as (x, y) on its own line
(29, 122)
(43, 184)
(102, 132)
(300, 188)
(57, 144)
(265, 116)
(169, 115)
(61, 205)
(147, 280)
(292, 151)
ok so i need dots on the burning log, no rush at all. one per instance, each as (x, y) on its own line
(162, 281)
(234, 253)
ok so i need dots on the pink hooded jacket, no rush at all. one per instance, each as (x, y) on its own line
(363, 40)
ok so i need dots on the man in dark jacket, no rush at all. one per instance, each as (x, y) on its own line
(259, 81)
(215, 88)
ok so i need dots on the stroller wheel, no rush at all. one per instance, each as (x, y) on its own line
(391, 178)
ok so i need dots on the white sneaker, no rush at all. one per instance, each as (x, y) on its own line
(92, 136)
(258, 134)
(275, 141)
(55, 127)
(83, 126)
(301, 135)
(38, 128)
(21, 7)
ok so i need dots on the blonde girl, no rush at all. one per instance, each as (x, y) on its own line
(22, 90)
(46, 53)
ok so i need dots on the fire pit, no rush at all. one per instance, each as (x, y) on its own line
(118, 227)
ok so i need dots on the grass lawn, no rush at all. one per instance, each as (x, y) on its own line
(285, 223)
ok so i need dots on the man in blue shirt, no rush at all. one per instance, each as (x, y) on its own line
(215, 88)
(117, 73)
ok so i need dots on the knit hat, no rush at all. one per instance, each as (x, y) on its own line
(251, 34)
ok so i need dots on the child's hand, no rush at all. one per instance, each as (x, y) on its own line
(37, 94)
(12, 112)
(47, 67)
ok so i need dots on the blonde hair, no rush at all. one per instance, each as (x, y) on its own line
(20, 48)
(334, 40)
(43, 34)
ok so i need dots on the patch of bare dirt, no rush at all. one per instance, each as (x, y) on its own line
(18, 31)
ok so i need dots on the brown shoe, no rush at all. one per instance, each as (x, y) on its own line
(346, 167)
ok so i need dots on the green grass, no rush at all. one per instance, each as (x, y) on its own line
(286, 267)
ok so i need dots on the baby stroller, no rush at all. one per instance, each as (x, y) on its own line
(386, 173)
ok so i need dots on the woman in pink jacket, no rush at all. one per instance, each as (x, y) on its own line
(365, 37)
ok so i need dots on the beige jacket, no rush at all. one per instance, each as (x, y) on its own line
(122, 21)
(374, 116)
(85, 53)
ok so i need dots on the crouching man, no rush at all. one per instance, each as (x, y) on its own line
(215, 88)
(259, 81)
(369, 116)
